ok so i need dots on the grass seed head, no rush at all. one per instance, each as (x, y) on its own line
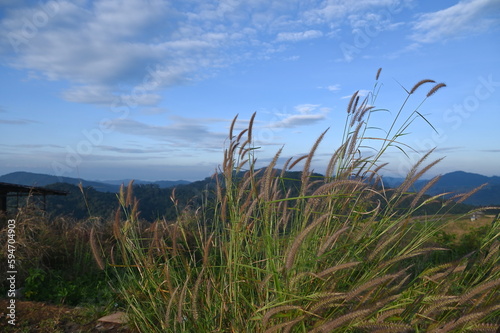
(421, 82)
(435, 89)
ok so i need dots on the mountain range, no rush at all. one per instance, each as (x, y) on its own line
(38, 179)
(454, 182)
(460, 182)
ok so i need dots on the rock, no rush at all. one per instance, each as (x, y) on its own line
(114, 318)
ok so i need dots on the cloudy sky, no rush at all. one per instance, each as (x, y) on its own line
(146, 89)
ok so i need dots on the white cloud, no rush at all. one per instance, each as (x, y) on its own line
(292, 58)
(105, 48)
(102, 95)
(375, 22)
(333, 87)
(129, 150)
(31, 146)
(107, 44)
(298, 36)
(153, 110)
(182, 132)
(90, 94)
(361, 93)
(17, 122)
(332, 11)
(306, 108)
(466, 17)
(299, 120)
(307, 114)
(141, 98)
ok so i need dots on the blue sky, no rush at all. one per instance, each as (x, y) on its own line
(147, 89)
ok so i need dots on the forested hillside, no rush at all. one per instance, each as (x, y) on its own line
(158, 203)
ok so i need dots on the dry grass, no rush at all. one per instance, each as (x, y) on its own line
(459, 226)
(340, 256)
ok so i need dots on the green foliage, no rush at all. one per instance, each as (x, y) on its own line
(80, 205)
(154, 204)
(465, 244)
(338, 253)
(62, 287)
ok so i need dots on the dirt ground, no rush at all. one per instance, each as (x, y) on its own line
(37, 317)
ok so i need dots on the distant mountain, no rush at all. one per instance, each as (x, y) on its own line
(460, 182)
(38, 179)
(392, 181)
(463, 182)
(466, 180)
(154, 202)
(455, 182)
(160, 183)
(170, 183)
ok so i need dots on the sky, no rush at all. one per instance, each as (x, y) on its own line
(147, 89)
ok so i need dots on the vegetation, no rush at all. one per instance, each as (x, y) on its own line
(155, 201)
(276, 250)
(54, 261)
(340, 255)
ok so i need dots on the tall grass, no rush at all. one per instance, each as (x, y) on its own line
(53, 259)
(340, 253)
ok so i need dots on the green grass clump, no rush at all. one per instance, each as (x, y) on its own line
(340, 253)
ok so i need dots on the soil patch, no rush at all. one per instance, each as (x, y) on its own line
(38, 317)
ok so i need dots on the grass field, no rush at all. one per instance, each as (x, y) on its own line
(463, 225)
(337, 254)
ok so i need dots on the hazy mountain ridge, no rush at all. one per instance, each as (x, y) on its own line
(39, 179)
(160, 183)
(455, 182)
(460, 182)
(154, 202)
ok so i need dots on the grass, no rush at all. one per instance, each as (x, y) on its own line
(341, 254)
(462, 226)
(54, 261)
(270, 253)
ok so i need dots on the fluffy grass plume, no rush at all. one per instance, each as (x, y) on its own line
(343, 253)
